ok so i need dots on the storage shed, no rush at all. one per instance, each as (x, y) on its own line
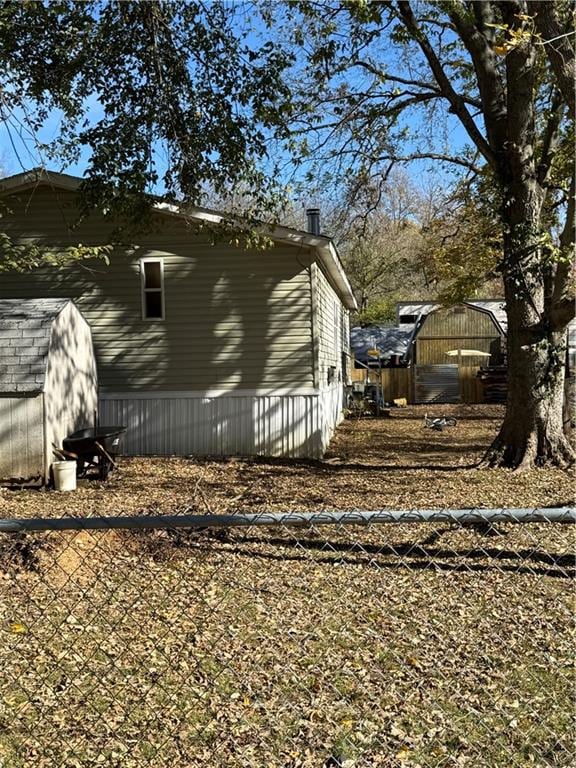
(450, 345)
(48, 382)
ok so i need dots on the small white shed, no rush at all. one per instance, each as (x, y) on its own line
(48, 382)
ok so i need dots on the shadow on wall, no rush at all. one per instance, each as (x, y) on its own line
(234, 320)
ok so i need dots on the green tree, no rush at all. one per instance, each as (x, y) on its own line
(390, 83)
(167, 96)
(462, 245)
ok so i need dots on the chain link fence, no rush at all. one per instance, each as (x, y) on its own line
(425, 638)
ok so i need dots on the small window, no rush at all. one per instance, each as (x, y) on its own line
(152, 275)
(405, 319)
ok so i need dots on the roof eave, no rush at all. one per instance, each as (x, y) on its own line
(36, 176)
(322, 245)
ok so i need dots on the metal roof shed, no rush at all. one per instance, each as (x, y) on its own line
(391, 341)
(48, 382)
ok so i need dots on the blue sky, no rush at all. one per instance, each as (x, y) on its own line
(22, 150)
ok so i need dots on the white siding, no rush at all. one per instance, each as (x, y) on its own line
(240, 424)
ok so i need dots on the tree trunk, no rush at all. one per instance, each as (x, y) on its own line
(532, 433)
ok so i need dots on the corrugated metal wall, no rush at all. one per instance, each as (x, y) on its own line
(245, 425)
(332, 413)
(436, 384)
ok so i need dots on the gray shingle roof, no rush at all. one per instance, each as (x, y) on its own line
(389, 339)
(25, 326)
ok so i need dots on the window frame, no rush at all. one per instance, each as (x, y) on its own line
(144, 290)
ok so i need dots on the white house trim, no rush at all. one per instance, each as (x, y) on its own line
(175, 395)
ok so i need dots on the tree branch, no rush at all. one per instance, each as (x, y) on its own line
(456, 102)
(549, 139)
(404, 81)
(433, 156)
(490, 85)
(559, 48)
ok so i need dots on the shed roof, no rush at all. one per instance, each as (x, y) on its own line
(25, 327)
(389, 339)
(494, 307)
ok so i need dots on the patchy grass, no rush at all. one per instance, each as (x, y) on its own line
(388, 646)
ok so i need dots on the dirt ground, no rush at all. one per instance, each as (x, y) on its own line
(371, 464)
(419, 646)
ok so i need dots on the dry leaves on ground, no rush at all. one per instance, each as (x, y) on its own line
(397, 645)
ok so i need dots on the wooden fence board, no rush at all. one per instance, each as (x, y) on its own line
(398, 382)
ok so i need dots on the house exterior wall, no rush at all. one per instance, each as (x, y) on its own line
(234, 365)
(71, 384)
(22, 437)
(235, 319)
(331, 342)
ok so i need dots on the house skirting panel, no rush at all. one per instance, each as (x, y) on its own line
(332, 413)
(291, 424)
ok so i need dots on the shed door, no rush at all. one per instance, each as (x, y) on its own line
(436, 384)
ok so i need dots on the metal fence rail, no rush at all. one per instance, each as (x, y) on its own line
(566, 515)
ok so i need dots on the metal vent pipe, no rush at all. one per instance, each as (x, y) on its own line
(313, 217)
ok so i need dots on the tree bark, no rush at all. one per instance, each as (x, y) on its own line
(559, 47)
(532, 433)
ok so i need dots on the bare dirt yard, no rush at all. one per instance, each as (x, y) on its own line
(395, 645)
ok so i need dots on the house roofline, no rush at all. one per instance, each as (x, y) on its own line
(324, 247)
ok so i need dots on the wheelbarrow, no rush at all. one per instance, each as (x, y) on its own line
(94, 448)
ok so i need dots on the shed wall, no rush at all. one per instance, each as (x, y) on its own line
(21, 437)
(459, 321)
(432, 351)
(71, 385)
(460, 327)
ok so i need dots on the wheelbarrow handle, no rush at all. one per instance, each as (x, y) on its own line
(62, 452)
(105, 454)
